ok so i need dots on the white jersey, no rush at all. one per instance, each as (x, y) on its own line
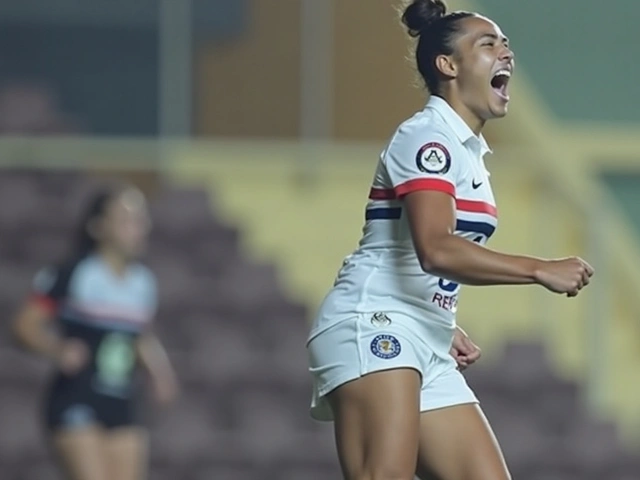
(433, 150)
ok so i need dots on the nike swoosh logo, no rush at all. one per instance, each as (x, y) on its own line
(475, 185)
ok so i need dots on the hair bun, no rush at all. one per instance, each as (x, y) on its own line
(419, 14)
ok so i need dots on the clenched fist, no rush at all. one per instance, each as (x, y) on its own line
(566, 275)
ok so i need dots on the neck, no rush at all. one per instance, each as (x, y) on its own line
(475, 123)
(114, 260)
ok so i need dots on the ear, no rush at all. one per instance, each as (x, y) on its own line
(447, 66)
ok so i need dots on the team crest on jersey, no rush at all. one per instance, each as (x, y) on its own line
(385, 346)
(433, 157)
(380, 319)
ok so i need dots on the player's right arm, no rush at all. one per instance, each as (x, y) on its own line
(429, 191)
(32, 326)
(31, 332)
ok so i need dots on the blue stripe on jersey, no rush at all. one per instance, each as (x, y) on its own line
(70, 315)
(394, 213)
(485, 229)
(389, 213)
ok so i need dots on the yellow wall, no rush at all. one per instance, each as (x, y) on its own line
(307, 229)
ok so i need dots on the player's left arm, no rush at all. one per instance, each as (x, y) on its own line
(464, 350)
(154, 359)
(152, 355)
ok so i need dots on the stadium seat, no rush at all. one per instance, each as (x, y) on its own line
(237, 343)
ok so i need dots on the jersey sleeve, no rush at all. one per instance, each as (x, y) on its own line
(421, 161)
(50, 286)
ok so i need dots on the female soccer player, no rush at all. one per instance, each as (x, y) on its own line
(379, 347)
(103, 301)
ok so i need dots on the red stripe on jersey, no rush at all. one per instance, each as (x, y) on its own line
(476, 206)
(418, 184)
(382, 194)
(101, 312)
(47, 303)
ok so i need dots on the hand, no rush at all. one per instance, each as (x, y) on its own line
(165, 390)
(567, 275)
(463, 350)
(72, 356)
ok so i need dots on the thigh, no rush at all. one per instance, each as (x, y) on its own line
(81, 453)
(457, 443)
(126, 452)
(377, 424)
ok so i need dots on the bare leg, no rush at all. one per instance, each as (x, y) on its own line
(457, 443)
(126, 451)
(81, 453)
(377, 421)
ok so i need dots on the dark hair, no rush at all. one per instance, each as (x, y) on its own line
(96, 209)
(428, 20)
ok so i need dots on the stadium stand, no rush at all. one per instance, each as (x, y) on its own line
(238, 345)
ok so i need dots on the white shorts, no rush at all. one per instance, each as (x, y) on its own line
(366, 343)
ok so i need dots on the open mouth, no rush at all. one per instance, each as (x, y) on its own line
(500, 83)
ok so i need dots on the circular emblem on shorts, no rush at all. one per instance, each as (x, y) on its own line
(385, 346)
(433, 157)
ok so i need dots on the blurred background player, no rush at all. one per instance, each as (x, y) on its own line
(91, 315)
(379, 347)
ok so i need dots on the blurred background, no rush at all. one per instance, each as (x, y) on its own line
(254, 126)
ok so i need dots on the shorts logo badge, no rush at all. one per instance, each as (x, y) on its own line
(385, 346)
(380, 319)
(78, 415)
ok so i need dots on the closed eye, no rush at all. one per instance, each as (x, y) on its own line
(491, 40)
